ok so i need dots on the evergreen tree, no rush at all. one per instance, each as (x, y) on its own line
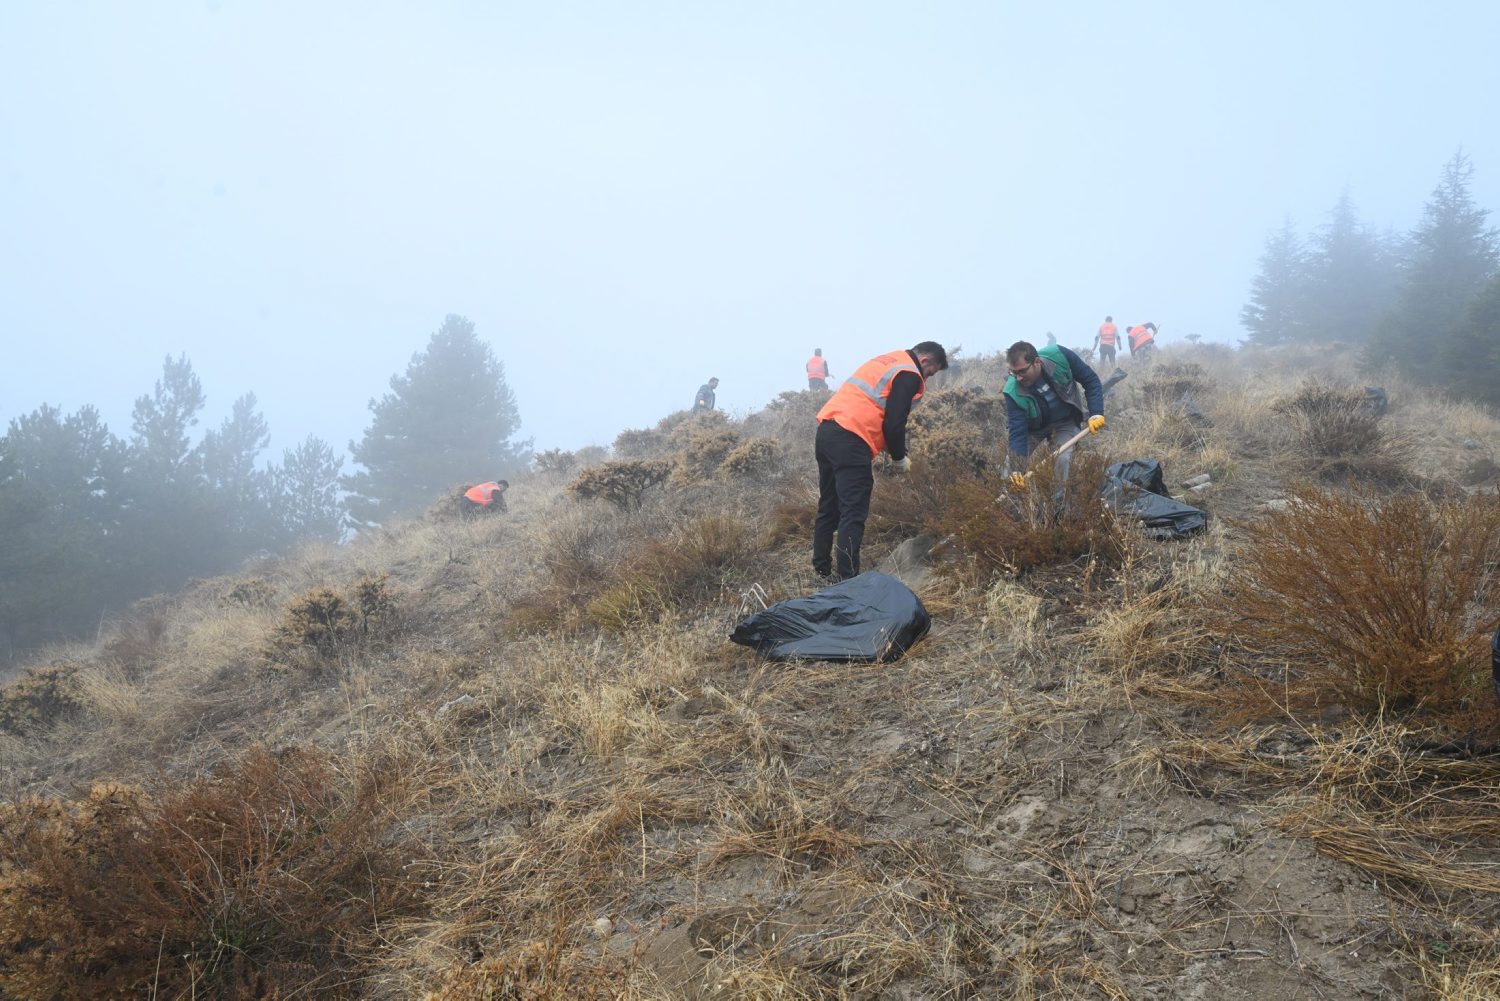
(172, 528)
(1277, 310)
(161, 446)
(1473, 350)
(449, 420)
(1352, 278)
(242, 493)
(307, 492)
(59, 566)
(1453, 254)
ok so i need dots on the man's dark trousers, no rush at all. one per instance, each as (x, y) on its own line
(846, 475)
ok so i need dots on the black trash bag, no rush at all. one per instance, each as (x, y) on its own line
(1138, 488)
(1377, 401)
(872, 617)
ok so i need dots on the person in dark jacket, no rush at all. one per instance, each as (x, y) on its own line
(704, 401)
(1049, 396)
(864, 417)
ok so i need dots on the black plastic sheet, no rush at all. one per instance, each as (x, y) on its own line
(1138, 488)
(872, 617)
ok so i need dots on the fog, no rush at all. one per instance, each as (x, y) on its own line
(629, 198)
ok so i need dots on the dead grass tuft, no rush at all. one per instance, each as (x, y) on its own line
(41, 697)
(1334, 435)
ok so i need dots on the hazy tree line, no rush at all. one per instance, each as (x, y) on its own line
(1428, 300)
(90, 521)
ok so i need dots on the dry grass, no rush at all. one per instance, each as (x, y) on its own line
(594, 796)
(1382, 603)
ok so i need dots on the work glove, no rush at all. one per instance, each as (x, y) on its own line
(1096, 424)
(902, 465)
(1017, 483)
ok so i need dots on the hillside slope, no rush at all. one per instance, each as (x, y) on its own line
(516, 757)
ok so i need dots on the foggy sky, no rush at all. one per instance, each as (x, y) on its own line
(629, 198)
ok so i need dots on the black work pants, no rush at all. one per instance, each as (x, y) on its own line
(846, 476)
(1106, 354)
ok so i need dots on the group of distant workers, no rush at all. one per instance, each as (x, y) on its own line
(1051, 394)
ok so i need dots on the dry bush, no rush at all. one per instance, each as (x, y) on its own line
(555, 460)
(696, 561)
(1169, 383)
(640, 443)
(575, 563)
(1047, 525)
(251, 592)
(968, 408)
(40, 697)
(268, 877)
(701, 447)
(1378, 603)
(319, 620)
(955, 449)
(1335, 435)
(754, 458)
(791, 417)
(552, 968)
(623, 484)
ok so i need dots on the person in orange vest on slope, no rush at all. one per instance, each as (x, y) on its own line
(866, 416)
(1142, 338)
(485, 497)
(817, 370)
(1106, 339)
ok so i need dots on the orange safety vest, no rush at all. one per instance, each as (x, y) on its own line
(859, 404)
(817, 367)
(484, 493)
(1139, 336)
(1107, 333)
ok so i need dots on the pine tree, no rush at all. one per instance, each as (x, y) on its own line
(1473, 349)
(1352, 278)
(241, 492)
(1277, 310)
(307, 492)
(449, 420)
(59, 509)
(1453, 254)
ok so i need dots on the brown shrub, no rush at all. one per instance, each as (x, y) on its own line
(1377, 603)
(1170, 383)
(967, 410)
(1335, 435)
(701, 447)
(696, 561)
(623, 484)
(753, 458)
(252, 592)
(639, 443)
(262, 880)
(1046, 525)
(319, 620)
(555, 460)
(40, 697)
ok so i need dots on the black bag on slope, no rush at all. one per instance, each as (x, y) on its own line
(872, 617)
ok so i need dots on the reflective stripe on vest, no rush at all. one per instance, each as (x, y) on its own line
(859, 404)
(1107, 333)
(817, 367)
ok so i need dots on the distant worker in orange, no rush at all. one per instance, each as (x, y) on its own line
(485, 497)
(817, 370)
(1106, 339)
(866, 416)
(1142, 341)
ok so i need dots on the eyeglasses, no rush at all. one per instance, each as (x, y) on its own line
(1024, 368)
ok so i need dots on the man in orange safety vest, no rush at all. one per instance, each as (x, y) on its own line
(1106, 339)
(817, 370)
(866, 416)
(485, 497)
